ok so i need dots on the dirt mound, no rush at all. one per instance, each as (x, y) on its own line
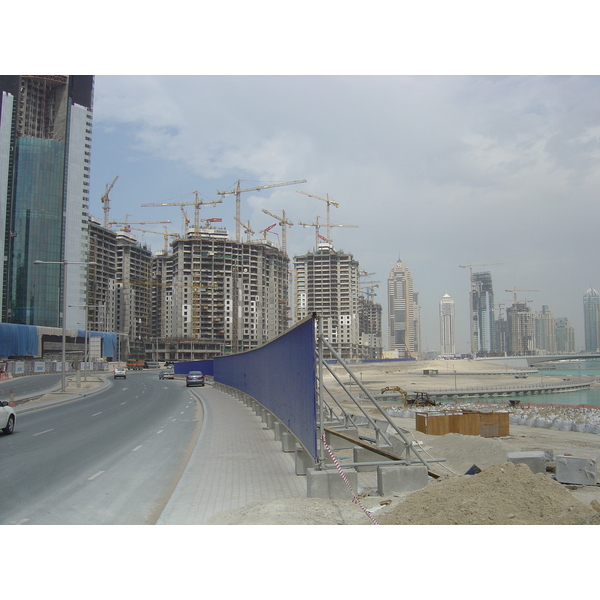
(506, 494)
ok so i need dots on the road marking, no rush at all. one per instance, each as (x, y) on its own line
(22, 521)
(96, 414)
(96, 475)
(160, 431)
(123, 403)
(137, 448)
(42, 432)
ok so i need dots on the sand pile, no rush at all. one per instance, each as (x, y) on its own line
(505, 494)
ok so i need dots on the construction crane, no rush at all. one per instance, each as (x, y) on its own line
(106, 201)
(266, 230)
(515, 290)
(127, 223)
(317, 226)
(207, 222)
(166, 235)
(470, 267)
(197, 203)
(283, 223)
(238, 191)
(370, 291)
(329, 203)
(249, 230)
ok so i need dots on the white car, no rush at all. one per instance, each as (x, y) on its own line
(120, 372)
(7, 417)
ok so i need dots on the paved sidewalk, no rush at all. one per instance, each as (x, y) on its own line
(236, 462)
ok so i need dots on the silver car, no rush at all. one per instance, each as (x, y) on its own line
(8, 417)
(194, 378)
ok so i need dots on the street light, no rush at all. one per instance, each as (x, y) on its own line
(65, 263)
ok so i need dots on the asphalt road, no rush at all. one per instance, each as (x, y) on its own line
(111, 458)
(32, 385)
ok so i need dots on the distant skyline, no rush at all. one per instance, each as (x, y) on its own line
(439, 171)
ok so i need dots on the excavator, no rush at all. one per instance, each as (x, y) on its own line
(417, 399)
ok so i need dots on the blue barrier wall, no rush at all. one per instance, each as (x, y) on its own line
(281, 375)
(206, 366)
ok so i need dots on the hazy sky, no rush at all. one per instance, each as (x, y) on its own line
(438, 171)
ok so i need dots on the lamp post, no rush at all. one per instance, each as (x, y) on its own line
(64, 263)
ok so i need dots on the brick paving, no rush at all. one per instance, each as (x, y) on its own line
(235, 463)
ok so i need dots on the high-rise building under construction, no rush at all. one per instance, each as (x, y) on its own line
(45, 159)
(482, 313)
(401, 321)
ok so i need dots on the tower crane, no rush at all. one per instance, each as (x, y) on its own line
(127, 223)
(197, 203)
(166, 235)
(106, 201)
(515, 290)
(329, 203)
(207, 222)
(283, 223)
(317, 226)
(470, 267)
(370, 291)
(238, 191)
(266, 230)
(186, 220)
(248, 229)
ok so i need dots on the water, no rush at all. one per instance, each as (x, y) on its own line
(583, 368)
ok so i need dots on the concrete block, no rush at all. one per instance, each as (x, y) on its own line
(270, 420)
(401, 478)
(304, 460)
(365, 455)
(329, 484)
(288, 442)
(534, 459)
(338, 443)
(263, 415)
(278, 429)
(578, 471)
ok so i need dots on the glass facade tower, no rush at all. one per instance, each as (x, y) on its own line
(591, 320)
(45, 158)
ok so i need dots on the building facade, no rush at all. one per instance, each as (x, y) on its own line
(545, 331)
(565, 336)
(591, 320)
(369, 326)
(447, 326)
(327, 282)
(401, 328)
(520, 330)
(45, 159)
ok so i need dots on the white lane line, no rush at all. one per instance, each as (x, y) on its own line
(22, 521)
(137, 448)
(123, 403)
(96, 414)
(160, 431)
(42, 432)
(95, 475)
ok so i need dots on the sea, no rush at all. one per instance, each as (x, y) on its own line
(574, 369)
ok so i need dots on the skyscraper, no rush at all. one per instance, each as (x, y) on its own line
(327, 282)
(45, 158)
(482, 313)
(447, 332)
(400, 310)
(591, 320)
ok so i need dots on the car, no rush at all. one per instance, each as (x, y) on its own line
(168, 374)
(7, 417)
(120, 372)
(194, 378)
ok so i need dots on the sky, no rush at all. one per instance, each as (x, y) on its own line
(436, 171)
(449, 134)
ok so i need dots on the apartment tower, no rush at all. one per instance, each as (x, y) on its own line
(401, 329)
(327, 282)
(591, 320)
(482, 314)
(45, 157)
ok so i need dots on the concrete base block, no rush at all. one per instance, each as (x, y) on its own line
(401, 478)
(304, 460)
(278, 428)
(578, 471)
(288, 442)
(270, 420)
(263, 415)
(534, 459)
(364, 455)
(338, 443)
(329, 484)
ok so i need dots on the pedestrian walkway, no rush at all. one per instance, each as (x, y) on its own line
(236, 462)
